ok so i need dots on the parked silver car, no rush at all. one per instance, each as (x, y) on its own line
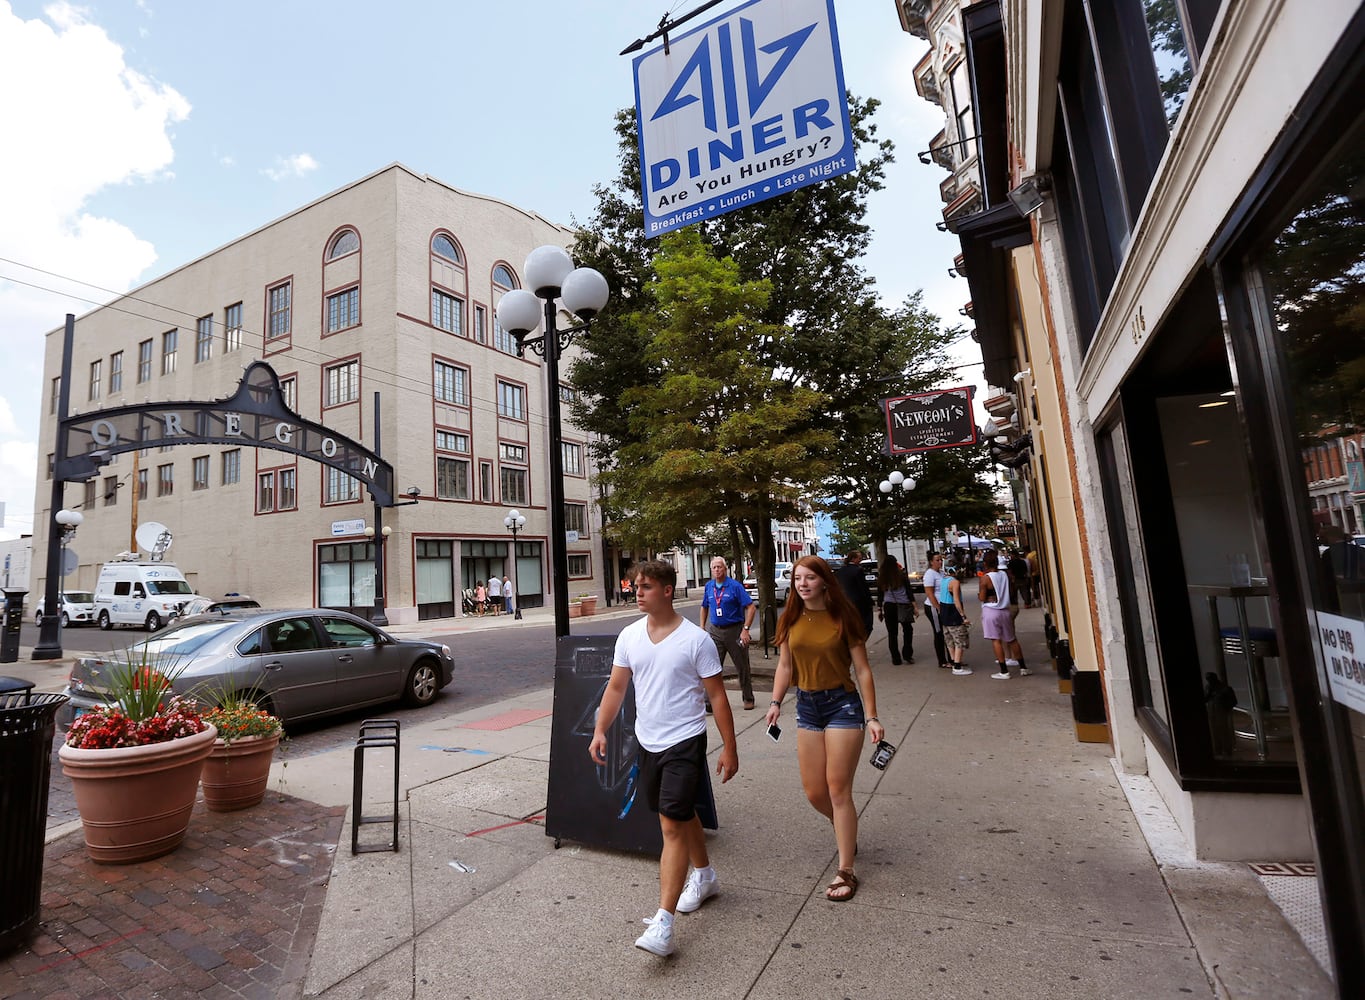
(297, 663)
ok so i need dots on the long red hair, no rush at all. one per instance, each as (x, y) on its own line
(847, 618)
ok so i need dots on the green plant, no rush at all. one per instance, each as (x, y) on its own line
(139, 707)
(238, 717)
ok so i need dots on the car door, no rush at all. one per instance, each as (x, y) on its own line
(366, 669)
(298, 667)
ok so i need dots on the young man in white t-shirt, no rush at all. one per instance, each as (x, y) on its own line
(676, 670)
(495, 594)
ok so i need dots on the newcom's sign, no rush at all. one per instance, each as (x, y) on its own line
(745, 107)
(927, 421)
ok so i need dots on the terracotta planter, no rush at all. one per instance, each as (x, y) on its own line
(236, 774)
(575, 609)
(135, 802)
(589, 605)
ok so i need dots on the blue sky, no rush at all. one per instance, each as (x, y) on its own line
(149, 133)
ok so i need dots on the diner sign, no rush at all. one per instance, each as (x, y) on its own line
(1342, 644)
(928, 421)
(743, 108)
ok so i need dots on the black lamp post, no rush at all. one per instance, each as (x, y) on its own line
(550, 275)
(514, 521)
(907, 484)
(378, 616)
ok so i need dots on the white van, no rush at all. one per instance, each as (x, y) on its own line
(148, 594)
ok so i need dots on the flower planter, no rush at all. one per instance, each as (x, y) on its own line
(237, 773)
(575, 609)
(135, 802)
(589, 605)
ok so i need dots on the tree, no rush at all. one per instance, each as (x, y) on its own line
(714, 435)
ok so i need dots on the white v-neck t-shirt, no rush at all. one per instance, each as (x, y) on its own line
(670, 700)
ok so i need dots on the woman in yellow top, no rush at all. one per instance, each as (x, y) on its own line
(821, 641)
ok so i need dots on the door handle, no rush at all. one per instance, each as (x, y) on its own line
(274, 665)
(344, 657)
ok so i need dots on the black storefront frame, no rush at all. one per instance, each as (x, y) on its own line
(1328, 768)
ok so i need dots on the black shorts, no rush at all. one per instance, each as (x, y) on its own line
(672, 777)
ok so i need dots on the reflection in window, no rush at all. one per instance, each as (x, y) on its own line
(1172, 58)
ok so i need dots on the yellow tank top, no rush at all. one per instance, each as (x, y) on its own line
(820, 657)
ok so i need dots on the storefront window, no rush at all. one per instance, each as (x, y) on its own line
(1314, 284)
(1170, 54)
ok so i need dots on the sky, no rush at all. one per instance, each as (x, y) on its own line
(142, 134)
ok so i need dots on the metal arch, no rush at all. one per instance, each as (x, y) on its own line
(254, 416)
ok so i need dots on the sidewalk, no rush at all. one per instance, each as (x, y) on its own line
(998, 856)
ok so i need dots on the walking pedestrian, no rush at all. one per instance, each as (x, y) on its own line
(997, 624)
(495, 594)
(727, 614)
(932, 575)
(480, 598)
(952, 615)
(821, 646)
(1020, 585)
(674, 666)
(854, 583)
(898, 610)
(509, 597)
(1035, 575)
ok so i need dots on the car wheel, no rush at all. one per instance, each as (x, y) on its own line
(153, 621)
(38, 618)
(66, 620)
(105, 623)
(424, 680)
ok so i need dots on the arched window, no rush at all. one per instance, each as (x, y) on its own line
(503, 281)
(447, 285)
(443, 246)
(345, 242)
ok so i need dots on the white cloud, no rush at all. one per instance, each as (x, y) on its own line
(298, 165)
(80, 120)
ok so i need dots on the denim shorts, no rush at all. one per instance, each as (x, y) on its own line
(832, 709)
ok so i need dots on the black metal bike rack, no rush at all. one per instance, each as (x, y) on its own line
(375, 734)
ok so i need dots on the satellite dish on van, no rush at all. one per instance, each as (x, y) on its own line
(155, 537)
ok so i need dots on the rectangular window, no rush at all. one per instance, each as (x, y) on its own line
(343, 310)
(88, 500)
(480, 325)
(511, 401)
(232, 327)
(288, 497)
(503, 340)
(96, 378)
(514, 482)
(278, 311)
(962, 110)
(142, 484)
(289, 389)
(110, 491)
(485, 482)
(146, 436)
(450, 384)
(447, 312)
(512, 452)
(144, 362)
(341, 488)
(576, 518)
(203, 339)
(168, 346)
(452, 478)
(579, 565)
(165, 480)
(56, 394)
(573, 459)
(232, 466)
(343, 383)
(451, 441)
(115, 372)
(265, 492)
(201, 472)
(568, 395)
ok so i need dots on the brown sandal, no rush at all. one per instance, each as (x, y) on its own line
(844, 887)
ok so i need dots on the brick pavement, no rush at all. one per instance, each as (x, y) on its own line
(232, 913)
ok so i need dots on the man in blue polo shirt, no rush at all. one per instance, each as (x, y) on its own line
(727, 612)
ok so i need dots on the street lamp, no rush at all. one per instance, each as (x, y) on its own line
(49, 645)
(550, 275)
(377, 616)
(515, 521)
(907, 484)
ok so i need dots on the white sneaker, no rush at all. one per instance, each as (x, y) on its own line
(1024, 671)
(961, 671)
(1000, 677)
(697, 891)
(657, 938)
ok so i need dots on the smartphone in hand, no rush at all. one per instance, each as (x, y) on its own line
(774, 732)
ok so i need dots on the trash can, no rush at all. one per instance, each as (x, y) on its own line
(27, 727)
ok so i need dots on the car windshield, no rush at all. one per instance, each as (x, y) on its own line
(184, 640)
(80, 597)
(169, 587)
